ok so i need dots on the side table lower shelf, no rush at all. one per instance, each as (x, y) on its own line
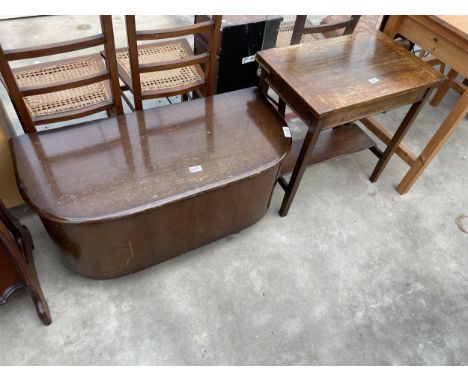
(332, 143)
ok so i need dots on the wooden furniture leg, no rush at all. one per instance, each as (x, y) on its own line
(301, 164)
(449, 125)
(16, 251)
(308, 146)
(442, 91)
(386, 136)
(398, 137)
(281, 107)
(262, 84)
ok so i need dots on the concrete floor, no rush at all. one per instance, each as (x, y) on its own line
(355, 275)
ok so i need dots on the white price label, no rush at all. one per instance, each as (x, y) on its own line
(286, 132)
(195, 168)
(373, 80)
(248, 59)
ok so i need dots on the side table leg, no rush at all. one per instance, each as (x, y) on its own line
(262, 84)
(301, 164)
(398, 137)
(449, 125)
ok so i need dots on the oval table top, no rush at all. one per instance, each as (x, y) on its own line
(113, 167)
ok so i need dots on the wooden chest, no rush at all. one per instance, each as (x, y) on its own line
(122, 194)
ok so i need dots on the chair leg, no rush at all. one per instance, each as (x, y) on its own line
(198, 94)
(281, 107)
(127, 101)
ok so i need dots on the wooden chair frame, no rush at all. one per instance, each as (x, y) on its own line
(17, 94)
(208, 58)
(300, 27)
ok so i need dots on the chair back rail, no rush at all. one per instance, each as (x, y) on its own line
(64, 85)
(187, 61)
(110, 73)
(205, 26)
(80, 113)
(300, 27)
(57, 48)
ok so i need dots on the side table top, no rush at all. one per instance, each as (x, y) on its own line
(456, 23)
(340, 73)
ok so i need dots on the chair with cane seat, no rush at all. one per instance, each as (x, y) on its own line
(302, 31)
(167, 68)
(66, 89)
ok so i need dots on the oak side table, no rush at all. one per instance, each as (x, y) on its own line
(336, 81)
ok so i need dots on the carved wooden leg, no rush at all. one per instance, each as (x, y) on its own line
(34, 287)
(449, 125)
(301, 164)
(398, 137)
(16, 243)
(9, 278)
